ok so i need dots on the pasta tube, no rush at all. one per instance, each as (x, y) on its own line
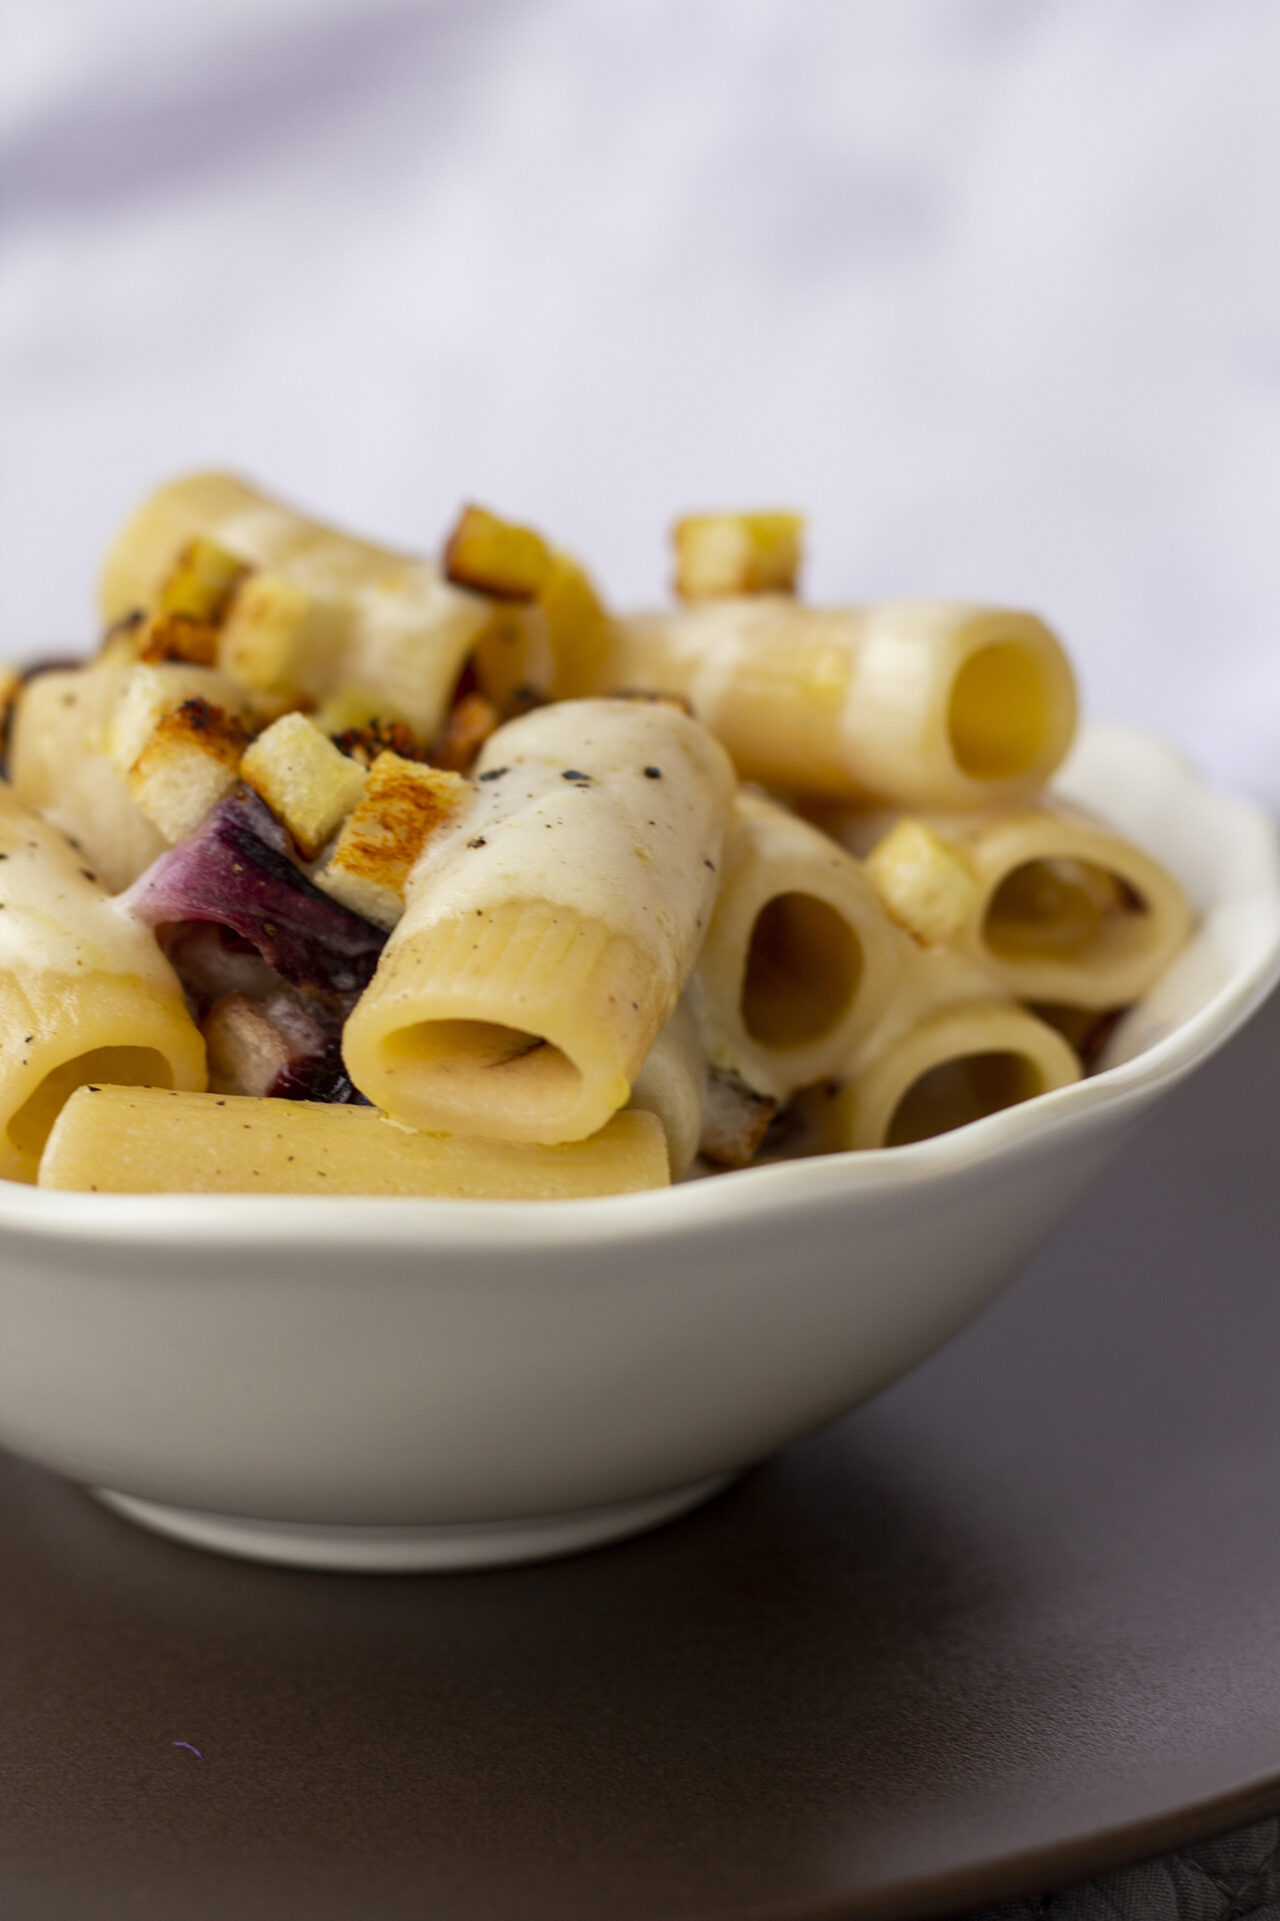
(954, 1065)
(549, 929)
(1062, 910)
(800, 958)
(919, 703)
(85, 993)
(126, 1140)
(324, 610)
(60, 766)
(671, 1085)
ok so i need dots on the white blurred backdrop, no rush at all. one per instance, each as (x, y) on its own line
(991, 288)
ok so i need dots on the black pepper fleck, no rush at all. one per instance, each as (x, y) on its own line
(479, 841)
(710, 864)
(653, 773)
(494, 773)
(574, 773)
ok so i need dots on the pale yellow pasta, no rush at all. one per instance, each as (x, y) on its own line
(1063, 909)
(671, 1084)
(123, 1140)
(800, 959)
(326, 610)
(548, 931)
(920, 703)
(85, 993)
(953, 1065)
(59, 764)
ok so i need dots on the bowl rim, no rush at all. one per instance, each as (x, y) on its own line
(271, 1222)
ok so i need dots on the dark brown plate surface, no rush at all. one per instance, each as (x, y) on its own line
(1016, 1621)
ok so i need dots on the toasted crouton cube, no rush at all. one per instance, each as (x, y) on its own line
(496, 557)
(364, 744)
(151, 691)
(10, 688)
(403, 805)
(466, 731)
(172, 636)
(191, 760)
(202, 583)
(924, 882)
(308, 783)
(281, 641)
(735, 1119)
(721, 554)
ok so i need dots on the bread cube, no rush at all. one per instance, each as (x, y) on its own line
(924, 882)
(171, 636)
(281, 641)
(152, 690)
(723, 554)
(466, 731)
(402, 806)
(309, 785)
(203, 583)
(735, 1119)
(191, 760)
(496, 557)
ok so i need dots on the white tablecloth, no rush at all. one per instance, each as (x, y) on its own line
(991, 287)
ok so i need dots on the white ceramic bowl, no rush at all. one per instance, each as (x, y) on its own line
(428, 1384)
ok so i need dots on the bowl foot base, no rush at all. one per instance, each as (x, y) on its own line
(413, 1550)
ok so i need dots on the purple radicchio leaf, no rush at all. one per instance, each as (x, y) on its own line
(238, 871)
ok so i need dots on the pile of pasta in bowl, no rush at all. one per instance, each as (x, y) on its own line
(338, 870)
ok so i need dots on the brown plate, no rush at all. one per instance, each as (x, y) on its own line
(1017, 1621)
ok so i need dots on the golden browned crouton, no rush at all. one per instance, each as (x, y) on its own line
(309, 785)
(466, 731)
(723, 554)
(403, 805)
(924, 882)
(734, 1119)
(190, 761)
(174, 636)
(280, 641)
(364, 743)
(203, 583)
(496, 557)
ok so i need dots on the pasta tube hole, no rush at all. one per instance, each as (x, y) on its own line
(998, 712)
(1057, 910)
(961, 1090)
(804, 966)
(521, 1074)
(113, 1066)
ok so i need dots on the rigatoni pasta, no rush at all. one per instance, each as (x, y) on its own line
(548, 933)
(85, 993)
(800, 959)
(127, 1140)
(917, 703)
(454, 883)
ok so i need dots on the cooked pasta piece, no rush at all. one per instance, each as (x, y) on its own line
(800, 958)
(60, 766)
(1063, 909)
(954, 1065)
(919, 703)
(322, 609)
(671, 1085)
(548, 930)
(85, 993)
(126, 1140)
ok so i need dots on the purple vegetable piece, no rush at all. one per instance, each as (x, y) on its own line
(238, 871)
